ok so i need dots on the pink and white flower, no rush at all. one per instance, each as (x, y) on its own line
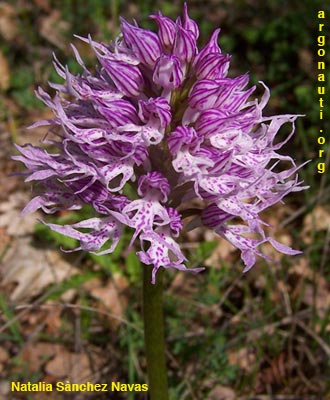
(161, 115)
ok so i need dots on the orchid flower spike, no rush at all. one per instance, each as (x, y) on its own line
(161, 116)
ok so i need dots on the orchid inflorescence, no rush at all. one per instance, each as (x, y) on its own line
(162, 117)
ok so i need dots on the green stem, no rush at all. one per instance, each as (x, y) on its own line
(154, 334)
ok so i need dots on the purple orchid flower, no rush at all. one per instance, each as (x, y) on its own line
(161, 116)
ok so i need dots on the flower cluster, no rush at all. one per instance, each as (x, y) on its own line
(160, 116)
